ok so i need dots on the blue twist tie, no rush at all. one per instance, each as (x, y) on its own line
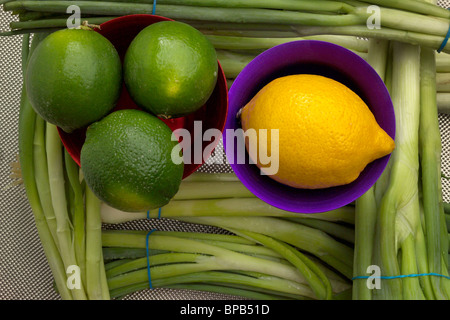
(159, 214)
(444, 43)
(403, 276)
(148, 259)
(154, 7)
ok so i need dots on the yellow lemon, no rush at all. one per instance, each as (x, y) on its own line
(327, 134)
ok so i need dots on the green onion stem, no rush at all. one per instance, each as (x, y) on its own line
(366, 206)
(25, 52)
(121, 253)
(231, 207)
(154, 260)
(336, 230)
(442, 82)
(79, 223)
(443, 62)
(57, 189)
(304, 5)
(52, 23)
(28, 31)
(229, 238)
(212, 190)
(31, 15)
(94, 261)
(115, 263)
(238, 15)
(103, 279)
(264, 283)
(41, 176)
(417, 6)
(400, 204)
(232, 63)
(418, 38)
(422, 263)
(411, 285)
(443, 102)
(242, 293)
(207, 237)
(245, 43)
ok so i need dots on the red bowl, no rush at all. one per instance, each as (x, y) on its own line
(213, 114)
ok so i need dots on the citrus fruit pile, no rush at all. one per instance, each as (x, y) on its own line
(74, 79)
(327, 134)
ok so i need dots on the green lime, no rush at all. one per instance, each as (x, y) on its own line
(74, 78)
(127, 161)
(170, 69)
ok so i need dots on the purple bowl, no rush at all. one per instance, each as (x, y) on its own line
(307, 57)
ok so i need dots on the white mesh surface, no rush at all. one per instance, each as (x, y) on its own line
(24, 273)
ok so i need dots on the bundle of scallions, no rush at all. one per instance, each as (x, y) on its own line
(401, 225)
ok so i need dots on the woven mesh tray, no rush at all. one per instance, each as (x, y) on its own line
(24, 272)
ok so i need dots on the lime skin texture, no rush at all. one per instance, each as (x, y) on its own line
(74, 78)
(170, 69)
(126, 161)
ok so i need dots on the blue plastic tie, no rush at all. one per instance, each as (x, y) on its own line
(444, 43)
(154, 7)
(403, 276)
(159, 214)
(148, 259)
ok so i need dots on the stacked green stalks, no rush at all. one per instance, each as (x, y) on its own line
(248, 264)
(267, 253)
(413, 21)
(400, 223)
(443, 82)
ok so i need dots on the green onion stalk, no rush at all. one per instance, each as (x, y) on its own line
(74, 175)
(399, 209)
(41, 176)
(55, 164)
(95, 273)
(226, 207)
(366, 210)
